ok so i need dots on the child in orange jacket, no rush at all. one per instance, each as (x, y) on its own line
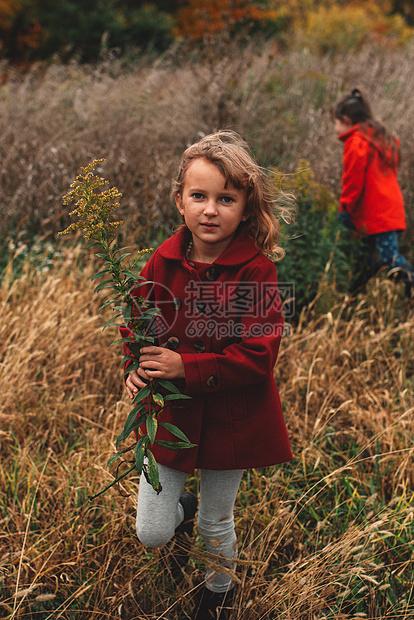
(371, 201)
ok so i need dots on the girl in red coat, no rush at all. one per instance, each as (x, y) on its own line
(371, 201)
(221, 319)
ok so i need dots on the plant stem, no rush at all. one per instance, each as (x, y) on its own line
(128, 471)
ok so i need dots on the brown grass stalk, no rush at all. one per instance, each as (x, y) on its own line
(346, 383)
(140, 118)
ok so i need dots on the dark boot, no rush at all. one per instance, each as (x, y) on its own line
(214, 605)
(180, 550)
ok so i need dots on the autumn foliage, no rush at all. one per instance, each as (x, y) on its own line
(196, 19)
(18, 35)
(33, 30)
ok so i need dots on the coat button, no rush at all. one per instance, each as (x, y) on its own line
(173, 343)
(199, 346)
(212, 381)
(200, 307)
(176, 303)
(211, 273)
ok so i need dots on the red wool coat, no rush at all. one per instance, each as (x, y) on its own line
(370, 193)
(225, 320)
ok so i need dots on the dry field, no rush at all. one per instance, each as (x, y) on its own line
(328, 536)
(54, 120)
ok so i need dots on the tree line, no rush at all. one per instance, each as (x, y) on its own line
(33, 30)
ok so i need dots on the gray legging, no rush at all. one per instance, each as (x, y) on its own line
(159, 515)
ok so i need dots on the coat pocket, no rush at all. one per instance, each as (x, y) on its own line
(236, 403)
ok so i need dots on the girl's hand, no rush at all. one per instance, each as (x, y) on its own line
(135, 381)
(155, 363)
(161, 363)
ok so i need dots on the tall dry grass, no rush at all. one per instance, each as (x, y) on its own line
(56, 118)
(328, 536)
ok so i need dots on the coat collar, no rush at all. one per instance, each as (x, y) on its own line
(240, 251)
(343, 136)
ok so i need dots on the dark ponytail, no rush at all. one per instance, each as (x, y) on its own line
(355, 107)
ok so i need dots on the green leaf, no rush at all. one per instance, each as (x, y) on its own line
(130, 368)
(139, 453)
(174, 431)
(104, 284)
(159, 399)
(127, 313)
(149, 312)
(119, 341)
(114, 457)
(144, 392)
(133, 414)
(93, 244)
(108, 303)
(152, 425)
(126, 247)
(144, 340)
(132, 423)
(176, 397)
(112, 321)
(124, 434)
(101, 273)
(137, 400)
(125, 360)
(121, 258)
(174, 445)
(119, 308)
(133, 275)
(153, 473)
(168, 386)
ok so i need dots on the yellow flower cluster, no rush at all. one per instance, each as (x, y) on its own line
(94, 207)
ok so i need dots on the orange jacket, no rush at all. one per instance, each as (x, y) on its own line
(370, 193)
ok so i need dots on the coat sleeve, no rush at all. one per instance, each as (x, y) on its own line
(251, 358)
(355, 161)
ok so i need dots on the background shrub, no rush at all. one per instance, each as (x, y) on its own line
(337, 28)
(317, 260)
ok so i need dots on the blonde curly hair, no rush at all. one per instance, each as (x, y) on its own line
(265, 205)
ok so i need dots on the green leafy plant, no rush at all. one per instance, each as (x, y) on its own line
(94, 209)
(317, 246)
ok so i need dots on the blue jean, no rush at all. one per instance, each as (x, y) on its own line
(385, 246)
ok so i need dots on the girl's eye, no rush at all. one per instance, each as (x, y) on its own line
(197, 195)
(227, 199)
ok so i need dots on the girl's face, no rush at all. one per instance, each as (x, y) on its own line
(341, 126)
(211, 210)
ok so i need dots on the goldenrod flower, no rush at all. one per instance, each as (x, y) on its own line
(93, 207)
